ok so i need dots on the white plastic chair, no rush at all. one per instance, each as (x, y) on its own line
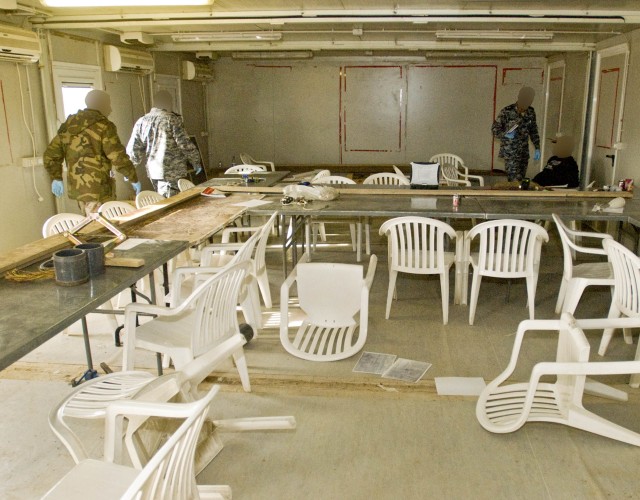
(416, 245)
(323, 173)
(382, 178)
(169, 475)
(248, 160)
(144, 198)
(398, 171)
(454, 172)
(626, 278)
(576, 277)
(205, 320)
(508, 249)
(184, 184)
(331, 296)
(319, 226)
(112, 209)
(244, 169)
(506, 408)
(59, 223)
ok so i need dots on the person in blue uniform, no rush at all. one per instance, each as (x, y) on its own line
(514, 127)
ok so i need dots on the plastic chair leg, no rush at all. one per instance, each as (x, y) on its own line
(393, 276)
(241, 364)
(265, 291)
(573, 295)
(614, 312)
(561, 295)
(475, 290)
(532, 282)
(352, 231)
(444, 290)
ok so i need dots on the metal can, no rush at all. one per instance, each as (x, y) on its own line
(456, 200)
(621, 184)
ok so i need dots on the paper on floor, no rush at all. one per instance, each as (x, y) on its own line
(460, 386)
(407, 370)
(374, 362)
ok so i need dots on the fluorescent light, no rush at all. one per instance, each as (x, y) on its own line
(291, 54)
(493, 35)
(227, 36)
(122, 3)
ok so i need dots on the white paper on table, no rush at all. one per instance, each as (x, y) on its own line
(459, 386)
(407, 370)
(374, 362)
(250, 203)
(130, 243)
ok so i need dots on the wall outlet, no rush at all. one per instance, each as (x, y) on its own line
(32, 161)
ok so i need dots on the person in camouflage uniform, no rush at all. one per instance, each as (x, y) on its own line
(161, 142)
(515, 125)
(89, 144)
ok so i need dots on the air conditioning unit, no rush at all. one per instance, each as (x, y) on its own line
(199, 71)
(123, 59)
(19, 45)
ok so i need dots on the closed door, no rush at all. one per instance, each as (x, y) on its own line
(553, 116)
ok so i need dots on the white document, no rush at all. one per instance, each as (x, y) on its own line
(460, 386)
(374, 362)
(250, 203)
(130, 243)
(426, 174)
(407, 370)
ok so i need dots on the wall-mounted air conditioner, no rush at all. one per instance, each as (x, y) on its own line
(123, 59)
(19, 45)
(200, 71)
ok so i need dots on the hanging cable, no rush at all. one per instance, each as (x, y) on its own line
(26, 124)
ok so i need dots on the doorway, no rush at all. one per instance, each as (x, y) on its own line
(606, 120)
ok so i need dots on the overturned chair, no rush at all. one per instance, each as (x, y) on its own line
(504, 408)
(335, 300)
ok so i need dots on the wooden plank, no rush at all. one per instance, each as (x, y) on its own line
(385, 190)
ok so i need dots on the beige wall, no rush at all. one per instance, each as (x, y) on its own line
(295, 112)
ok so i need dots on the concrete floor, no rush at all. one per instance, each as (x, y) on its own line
(359, 436)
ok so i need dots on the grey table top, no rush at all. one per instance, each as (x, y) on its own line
(470, 207)
(31, 313)
(377, 206)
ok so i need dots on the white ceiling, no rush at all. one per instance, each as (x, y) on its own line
(333, 25)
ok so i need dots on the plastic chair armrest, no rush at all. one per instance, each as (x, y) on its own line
(371, 271)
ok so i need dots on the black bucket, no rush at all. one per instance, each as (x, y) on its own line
(71, 267)
(95, 257)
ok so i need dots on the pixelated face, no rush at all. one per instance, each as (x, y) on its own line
(563, 147)
(525, 97)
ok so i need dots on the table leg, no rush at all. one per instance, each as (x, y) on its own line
(87, 344)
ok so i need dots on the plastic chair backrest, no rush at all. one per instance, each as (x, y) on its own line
(244, 169)
(329, 293)
(261, 247)
(387, 178)
(60, 223)
(112, 209)
(508, 248)
(335, 179)
(215, 303)
(626, 276)
(144, 198)
(170, 472)
(416, 243)
(184, 184)
(320, 175)
(449, 165)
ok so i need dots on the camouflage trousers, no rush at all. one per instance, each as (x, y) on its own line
(165, 188)
(516, 167)
(89, 207)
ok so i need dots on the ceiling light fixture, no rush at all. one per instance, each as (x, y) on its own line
(292, 54)
(493, 35)
(228, 36)
(122, 3)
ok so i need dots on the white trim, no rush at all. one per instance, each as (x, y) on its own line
(73, 73)
(621, 49)
(547, 82)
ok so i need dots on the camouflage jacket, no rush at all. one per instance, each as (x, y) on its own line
(159, 138)
(527, 129)
(89, 143)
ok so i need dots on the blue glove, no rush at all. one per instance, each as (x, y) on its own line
(536, 155)
(510, 135)
(57, 188)
(137, 187)
(198, 170)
